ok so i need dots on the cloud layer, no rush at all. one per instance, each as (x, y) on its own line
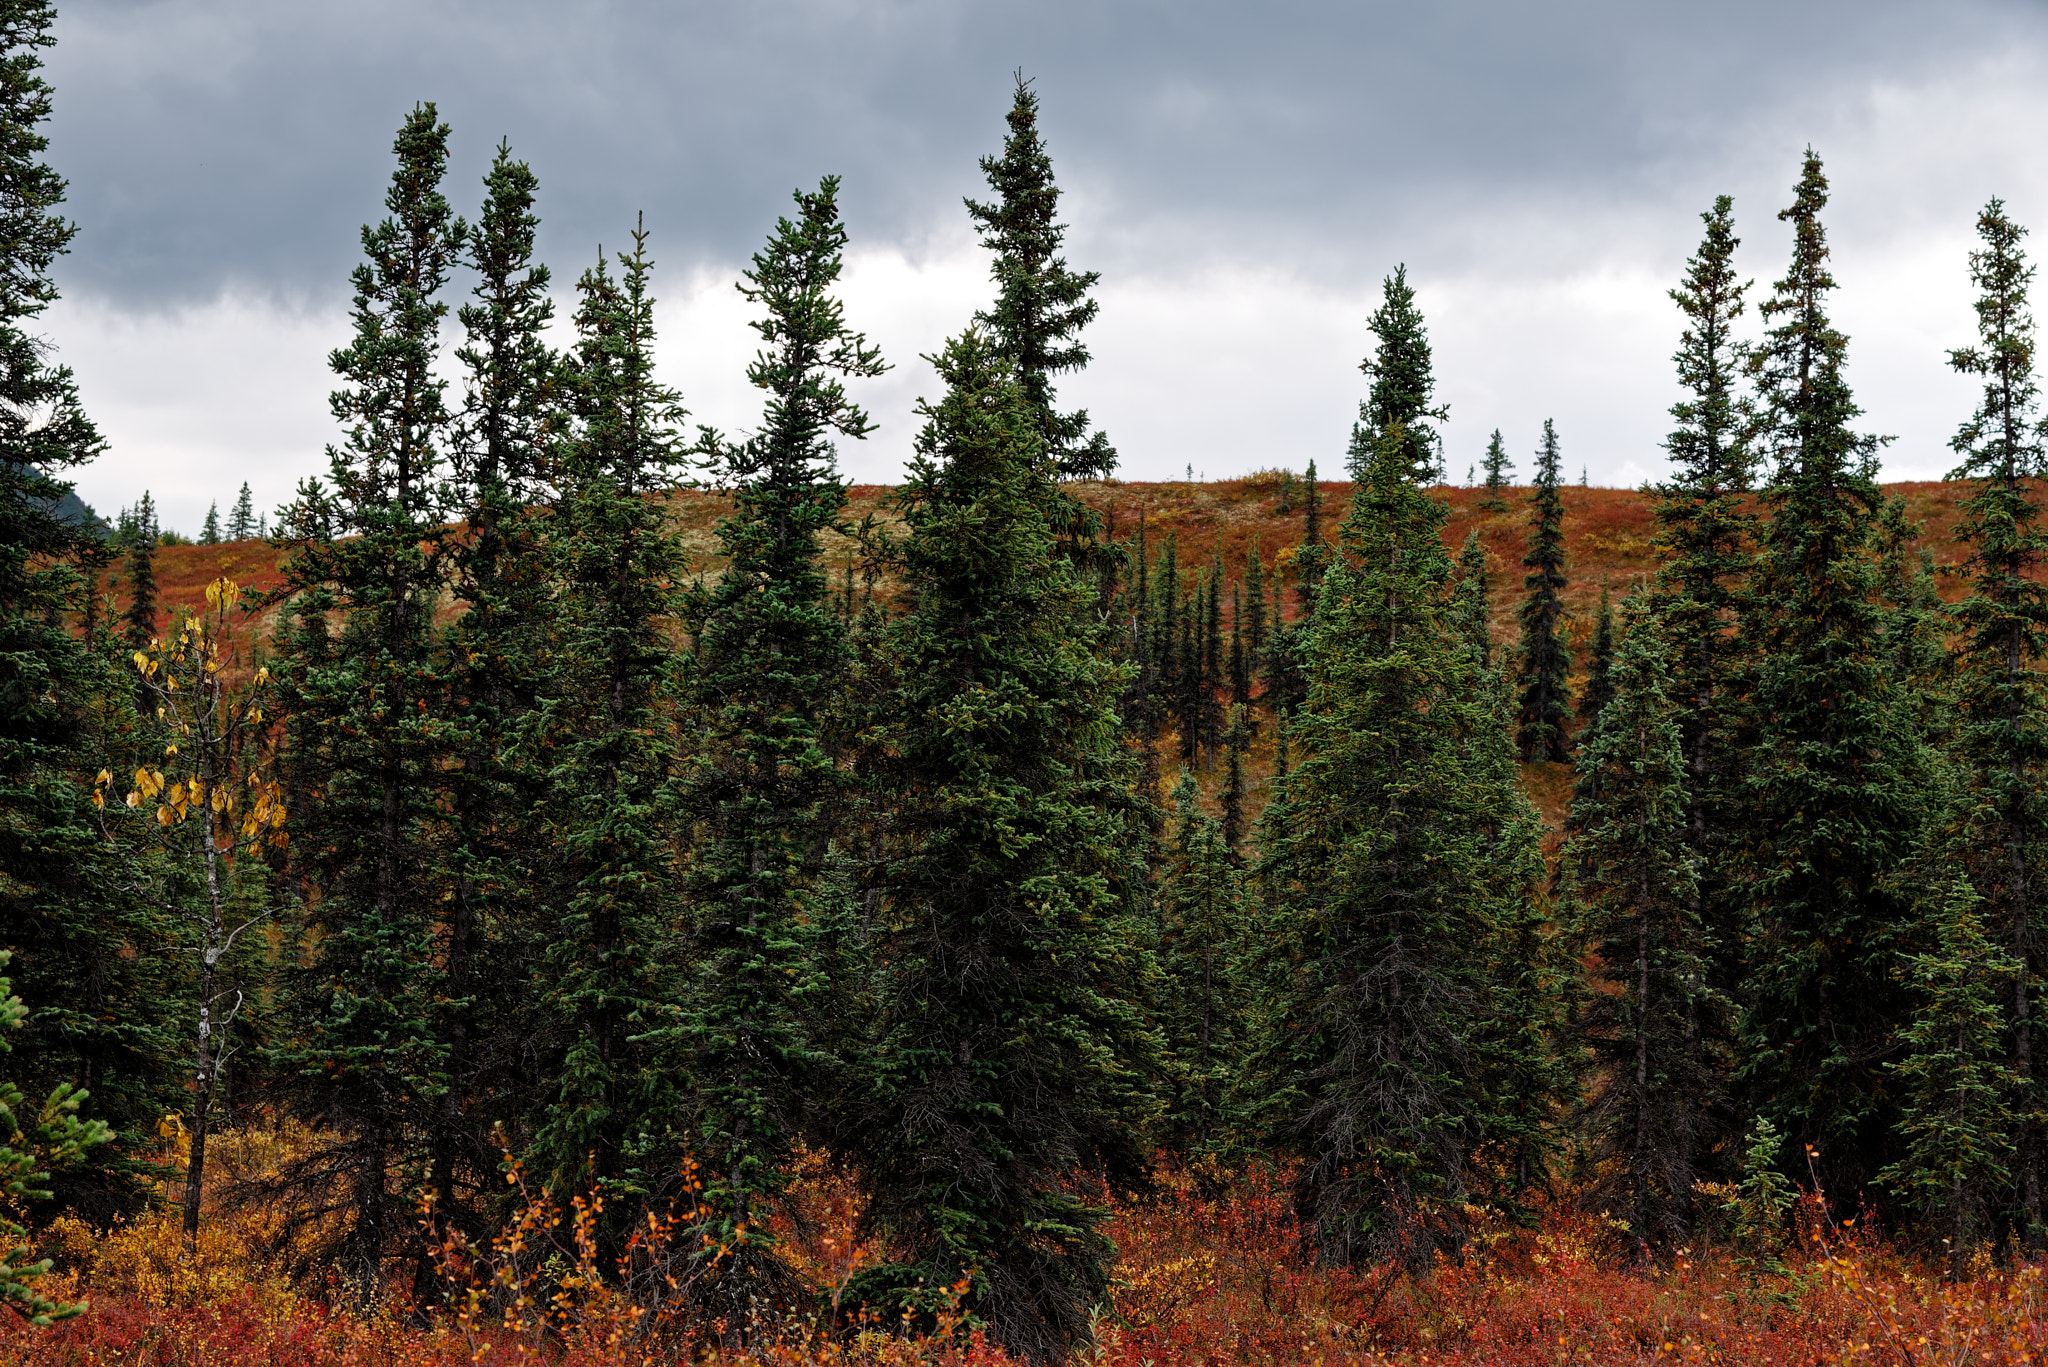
(1242, 176)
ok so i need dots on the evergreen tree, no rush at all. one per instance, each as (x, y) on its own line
(1957, 1115)
(1010, 1055)
(1475, 598)
(609, 737)
(1403, 383)
(1255, 602)
(1310, 554)
(1498, 467)
(499, 652)
(1546, 703)
(1832, 796)
(1391, 885)
(242, 518)
(1041, 306)
(1646, 1029)
(1236, 739)
(1706, 536)
(209, 531)
(1202, 924)
(365, 1058)
(1599, 692)
(770, 657)
(2000, 828)
(140, 619)
(97, 1003)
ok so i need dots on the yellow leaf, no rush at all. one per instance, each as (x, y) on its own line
(135, 799)
(142, 662)
(104, 779)
(163, 816)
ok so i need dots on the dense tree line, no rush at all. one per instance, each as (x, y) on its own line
(497, 829)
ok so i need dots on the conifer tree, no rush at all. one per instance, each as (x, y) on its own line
(1497, 467)
(139, 621)
(2000, 827)
(1310, 554)
(242, 517)
(1201, 929)
(365, 1058)
(1255, 603)
(209, 530)
(1832, 800)
(1706, 535)
(1236, 740)
(1647, 1029)
(1958, 1114)
(770, 657)
(1403, 383)
(1545, 707)
(1475, 598)
(1041, 306)
(610, 739)
(1599, 692)
(1385, 863)
(498, 652)
(1010, 1055)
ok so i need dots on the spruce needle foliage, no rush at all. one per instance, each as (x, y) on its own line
(1010, 1051)
(1403, 384)
(2000, 828)
(1544, 712)
(1650, 1026)
(1202, 927)
(1833, 796)
(764, 787)
(1394, 851)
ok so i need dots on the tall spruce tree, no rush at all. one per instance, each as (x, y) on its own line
(1498, 467)
(1544, 712)
(139, 621)
(1041, 305)
(1647, 1029)
(1832, 797)
(608, 732)
(1475, 598)
(1403, 383)
(499, 652)
(1202, 924)
(1385, 865)
(364, 1056)
(1010, 1052)
(1999, 830)
(771, 656)
(242, 517)
(1599, 692)
(209, 530)
(95, 1005)
(1706, 535)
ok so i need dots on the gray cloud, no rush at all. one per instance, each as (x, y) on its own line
(1243, 175)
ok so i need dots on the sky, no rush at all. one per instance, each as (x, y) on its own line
(1243, 177)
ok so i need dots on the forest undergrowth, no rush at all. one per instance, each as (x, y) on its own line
(1210, 1269)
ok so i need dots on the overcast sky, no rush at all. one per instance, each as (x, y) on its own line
(1242, 175)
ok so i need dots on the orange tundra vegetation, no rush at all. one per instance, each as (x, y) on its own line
(1210, 1268)
(1210, 1272)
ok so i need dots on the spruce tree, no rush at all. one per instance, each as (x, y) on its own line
(242, 518)
(1958, 1115)
(139, 622)
(1010, 1055)
(764, 786)
(1832, 797)
(1202, 923)
(499, 654)
(1403, 383)
(1544, 669)
(1999, 830)
(1646, 1028)
(1041, 305)
(1255, 604)
(365, 1058)
(608, 733)
(1706, 537)
(209, 530)
(96, 1005)
(1599, 692)
(1310, 554)
(1475, 598)
(1497, 467)
(1386, 864)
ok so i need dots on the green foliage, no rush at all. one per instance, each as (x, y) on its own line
(1833, 788)
(1400, 861)
(1958, 1117)
(1202, 926)
(1041, 305)
(1010, 1052)
(1498, 467)
(1651, 1027)
(763, 788)
(242, 518)
(1403, 383)
(50, 1137)
(1544, 712)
